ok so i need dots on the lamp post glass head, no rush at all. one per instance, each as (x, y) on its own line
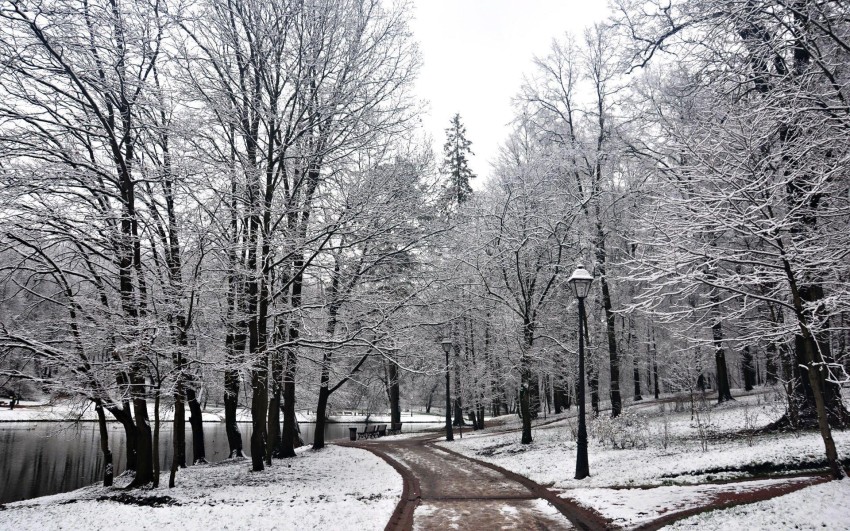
(447, 345)
(580, 281)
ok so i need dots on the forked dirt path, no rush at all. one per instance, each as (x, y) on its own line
(446, 490)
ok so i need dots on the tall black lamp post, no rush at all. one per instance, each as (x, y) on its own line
(447, 347)
(580, 284)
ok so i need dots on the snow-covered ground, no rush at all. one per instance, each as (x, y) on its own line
(677, 456)
(680, 452)
(629, 508)
(316, 490)
(818, 507)
(550, 459)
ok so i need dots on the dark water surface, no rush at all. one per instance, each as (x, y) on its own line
(41, 458)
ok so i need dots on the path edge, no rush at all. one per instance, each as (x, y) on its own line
(719, 505)
(402, 517)
(580, 517)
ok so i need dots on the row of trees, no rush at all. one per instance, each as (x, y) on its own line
(204, 191)
(694, 155)
(227, 199)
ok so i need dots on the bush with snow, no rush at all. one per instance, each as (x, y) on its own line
(629, 430)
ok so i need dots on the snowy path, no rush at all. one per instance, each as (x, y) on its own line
(445, 490)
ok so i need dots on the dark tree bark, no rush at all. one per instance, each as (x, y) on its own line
(748, 368)
(125, 417)
(321, 415)
(771, 374)
(144, 444)
(274, 429)
(178, 455)
(534, 395)
(273, 449)
(723, 392)
(393, 392)
(290, 421)
(591, 370)
(179, 435)
(430, 400)
(236, 339)
(593, 384)
(196, 421)
(525, 381)
(457, 406)
(610, 332)
(636, 376)
(108, 470)
(231, 403)
(558, 398)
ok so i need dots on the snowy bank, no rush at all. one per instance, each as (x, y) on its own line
(316, 490)
(818, 507)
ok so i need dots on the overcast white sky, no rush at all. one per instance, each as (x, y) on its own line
(475, 53)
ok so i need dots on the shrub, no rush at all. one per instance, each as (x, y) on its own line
(629, 430)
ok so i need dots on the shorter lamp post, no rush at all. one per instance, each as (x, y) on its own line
(580, 283)
(447, 347)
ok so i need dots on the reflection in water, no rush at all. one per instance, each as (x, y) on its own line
(40, 458)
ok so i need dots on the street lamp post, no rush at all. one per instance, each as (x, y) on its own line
(580, 283)
(447, 347)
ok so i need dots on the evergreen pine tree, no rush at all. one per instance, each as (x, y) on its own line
(456, 164)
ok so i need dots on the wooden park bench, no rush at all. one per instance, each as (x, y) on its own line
(367, 433)
(381, 431)
(395, 429)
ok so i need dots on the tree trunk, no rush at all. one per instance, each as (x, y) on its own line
(273, 446)
(290, 363)
(651, 352)
(290, 421)
(108, 470)
(593, 384)
(196, 421)
(259, 409)
(613, 357)
(525, 382)
(771, 375)
(178, 455)
(533, 395)
(816, 381)
(231, 403)
(393, 392)
(321, 414)
(636, 376)
(524, 401)
(429, 402)
(257, 348)
(155, 450)
(144, 444)
(125, 417)
(179, 435)
(558, 398)
(236, 338)
(748, 369)
(723, 392)
(458, 402)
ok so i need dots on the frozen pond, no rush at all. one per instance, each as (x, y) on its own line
(40, 458)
